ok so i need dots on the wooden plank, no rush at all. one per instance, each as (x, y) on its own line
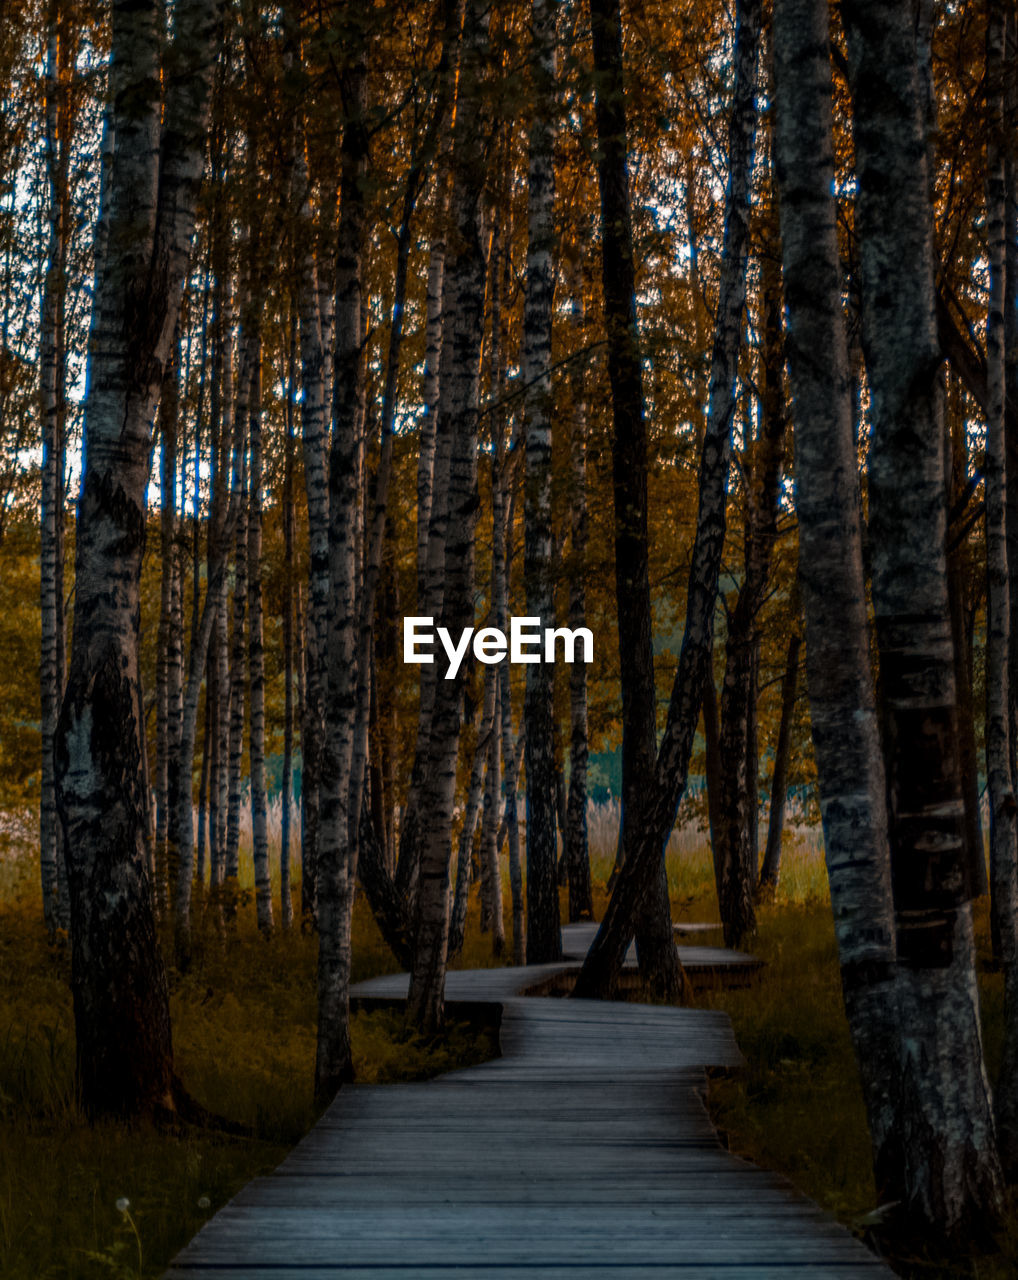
(585, 1150)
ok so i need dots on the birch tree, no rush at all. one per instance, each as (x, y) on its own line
(454, 514)
(124, 1049)
(843, 711)
(577, 855)
(53, 405)
(956, 1186)
(544, 942)
(999, 748)
(665, 781)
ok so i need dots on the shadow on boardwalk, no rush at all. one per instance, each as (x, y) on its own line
(584, 1150)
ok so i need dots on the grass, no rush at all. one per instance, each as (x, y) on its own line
(244, 1021)
(80, 1202)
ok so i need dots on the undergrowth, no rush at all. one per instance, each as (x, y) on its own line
(797, 1108)
(81, 1202)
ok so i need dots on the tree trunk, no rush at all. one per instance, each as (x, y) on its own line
(658, 958)
(53, 410)
(476, 792)
(771, 869)
(340, 792)
(843, 713)
(313, 349)
(429, 593)
(124, 1049)
(1003, 848)
(256, 663)
(289, 541)
(503, 507)
(220, 421)
(737, 857)
(454, 516)
(544, 941)
(238, 646)
(951, 1183)
(167, 737)
(957, 565)
(577, 854)
(666, 783)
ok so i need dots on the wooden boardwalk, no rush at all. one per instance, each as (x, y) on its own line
(584, 1150)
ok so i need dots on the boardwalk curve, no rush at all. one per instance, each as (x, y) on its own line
(584, 1150)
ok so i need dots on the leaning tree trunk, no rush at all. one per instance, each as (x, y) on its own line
(651, 916)
(122, 1021)
(736, 858)
(432, 143)
(951, 1181)
(667, 782)
(771, 869)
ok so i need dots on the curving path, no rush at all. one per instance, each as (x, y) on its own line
(585, 1150)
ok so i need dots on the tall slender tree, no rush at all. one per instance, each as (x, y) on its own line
(454, 511)
(665, 783)
(544, 941)
(124, 1049)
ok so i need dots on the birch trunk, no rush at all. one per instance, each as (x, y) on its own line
(577, 854)
(476, 791)
(651, 915)
(53, 377)
(453, 535)
(313, 348)
(221, 407)
(770, 872)
(544, 941)
(999, 749)
(124, 1048)
(489, 830)
(289, 540)
(951, 1185)
(340, 791)
(429, 396)
(665, 785)
(843, 710)
(167, 739)
(238, 646)
(737, 857)
(256, 664)
(957, 589)
(429, 596)
(507, 747)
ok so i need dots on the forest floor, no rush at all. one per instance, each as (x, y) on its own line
(244, 1026)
